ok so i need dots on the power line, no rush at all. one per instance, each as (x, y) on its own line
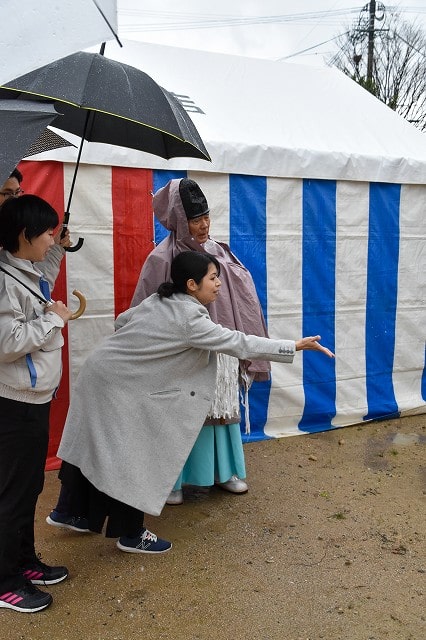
(315, 46)
(178, 21)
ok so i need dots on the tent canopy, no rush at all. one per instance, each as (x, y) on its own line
(312, 122)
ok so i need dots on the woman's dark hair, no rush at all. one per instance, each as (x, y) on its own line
(29, 213)
(186, 266)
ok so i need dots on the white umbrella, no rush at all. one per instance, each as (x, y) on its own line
(35, 33)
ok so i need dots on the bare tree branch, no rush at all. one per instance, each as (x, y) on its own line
(399, 63)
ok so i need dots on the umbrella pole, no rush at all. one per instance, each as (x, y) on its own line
(65, 222)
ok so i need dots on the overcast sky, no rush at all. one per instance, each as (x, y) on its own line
(273, 29)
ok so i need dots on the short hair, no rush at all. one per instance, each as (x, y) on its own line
(188, 265)
(17, 174)
(28, 213)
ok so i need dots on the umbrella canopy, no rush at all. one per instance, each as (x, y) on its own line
(47, 141)
(21, 123)
(107, 101)
(34, 32)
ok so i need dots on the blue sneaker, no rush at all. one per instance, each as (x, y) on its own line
(75, 523)
(145, 542)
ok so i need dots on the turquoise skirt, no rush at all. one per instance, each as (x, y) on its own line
(216, 456)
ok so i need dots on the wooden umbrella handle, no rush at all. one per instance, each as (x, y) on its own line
(81, 309)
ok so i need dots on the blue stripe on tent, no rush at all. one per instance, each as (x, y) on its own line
(424, 380)
(247, 229)
(247, 240)
(318, 301)
(382, 294)
(159, 179)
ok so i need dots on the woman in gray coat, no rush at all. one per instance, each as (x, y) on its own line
(217, 457)
(159, 365)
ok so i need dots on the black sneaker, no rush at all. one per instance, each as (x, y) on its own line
(145, 542)
(75, 523)
(39, 573)
(26, 599)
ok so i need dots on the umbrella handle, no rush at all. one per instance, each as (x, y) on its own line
(75, 247)
(81, 309)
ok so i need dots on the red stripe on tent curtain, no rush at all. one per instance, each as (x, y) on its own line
(133, 229)
(46, 179)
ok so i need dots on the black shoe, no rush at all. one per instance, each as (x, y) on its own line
(25, 599)
(39, 573)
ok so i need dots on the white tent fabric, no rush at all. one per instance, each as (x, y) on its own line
(260, 117)
(318, 188)
(35, 33)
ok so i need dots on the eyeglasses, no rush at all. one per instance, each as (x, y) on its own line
(12, 194)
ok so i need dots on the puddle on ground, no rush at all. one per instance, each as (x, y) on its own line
(376, 457)
(405, 439)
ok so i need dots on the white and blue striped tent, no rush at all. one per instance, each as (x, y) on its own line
(320, 190)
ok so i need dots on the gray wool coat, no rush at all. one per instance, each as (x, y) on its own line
(142, 395)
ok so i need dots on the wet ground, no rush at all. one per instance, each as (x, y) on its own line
(329, 543)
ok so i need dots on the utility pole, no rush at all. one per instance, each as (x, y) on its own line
(370, 58)
(368, 26)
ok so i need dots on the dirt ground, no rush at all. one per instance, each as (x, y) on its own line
(328, 543)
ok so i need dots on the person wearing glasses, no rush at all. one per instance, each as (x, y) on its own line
(12, 187)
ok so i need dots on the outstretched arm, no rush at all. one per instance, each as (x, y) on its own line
(202, 333)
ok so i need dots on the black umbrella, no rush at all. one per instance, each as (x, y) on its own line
(21, 123)
(103, 100)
